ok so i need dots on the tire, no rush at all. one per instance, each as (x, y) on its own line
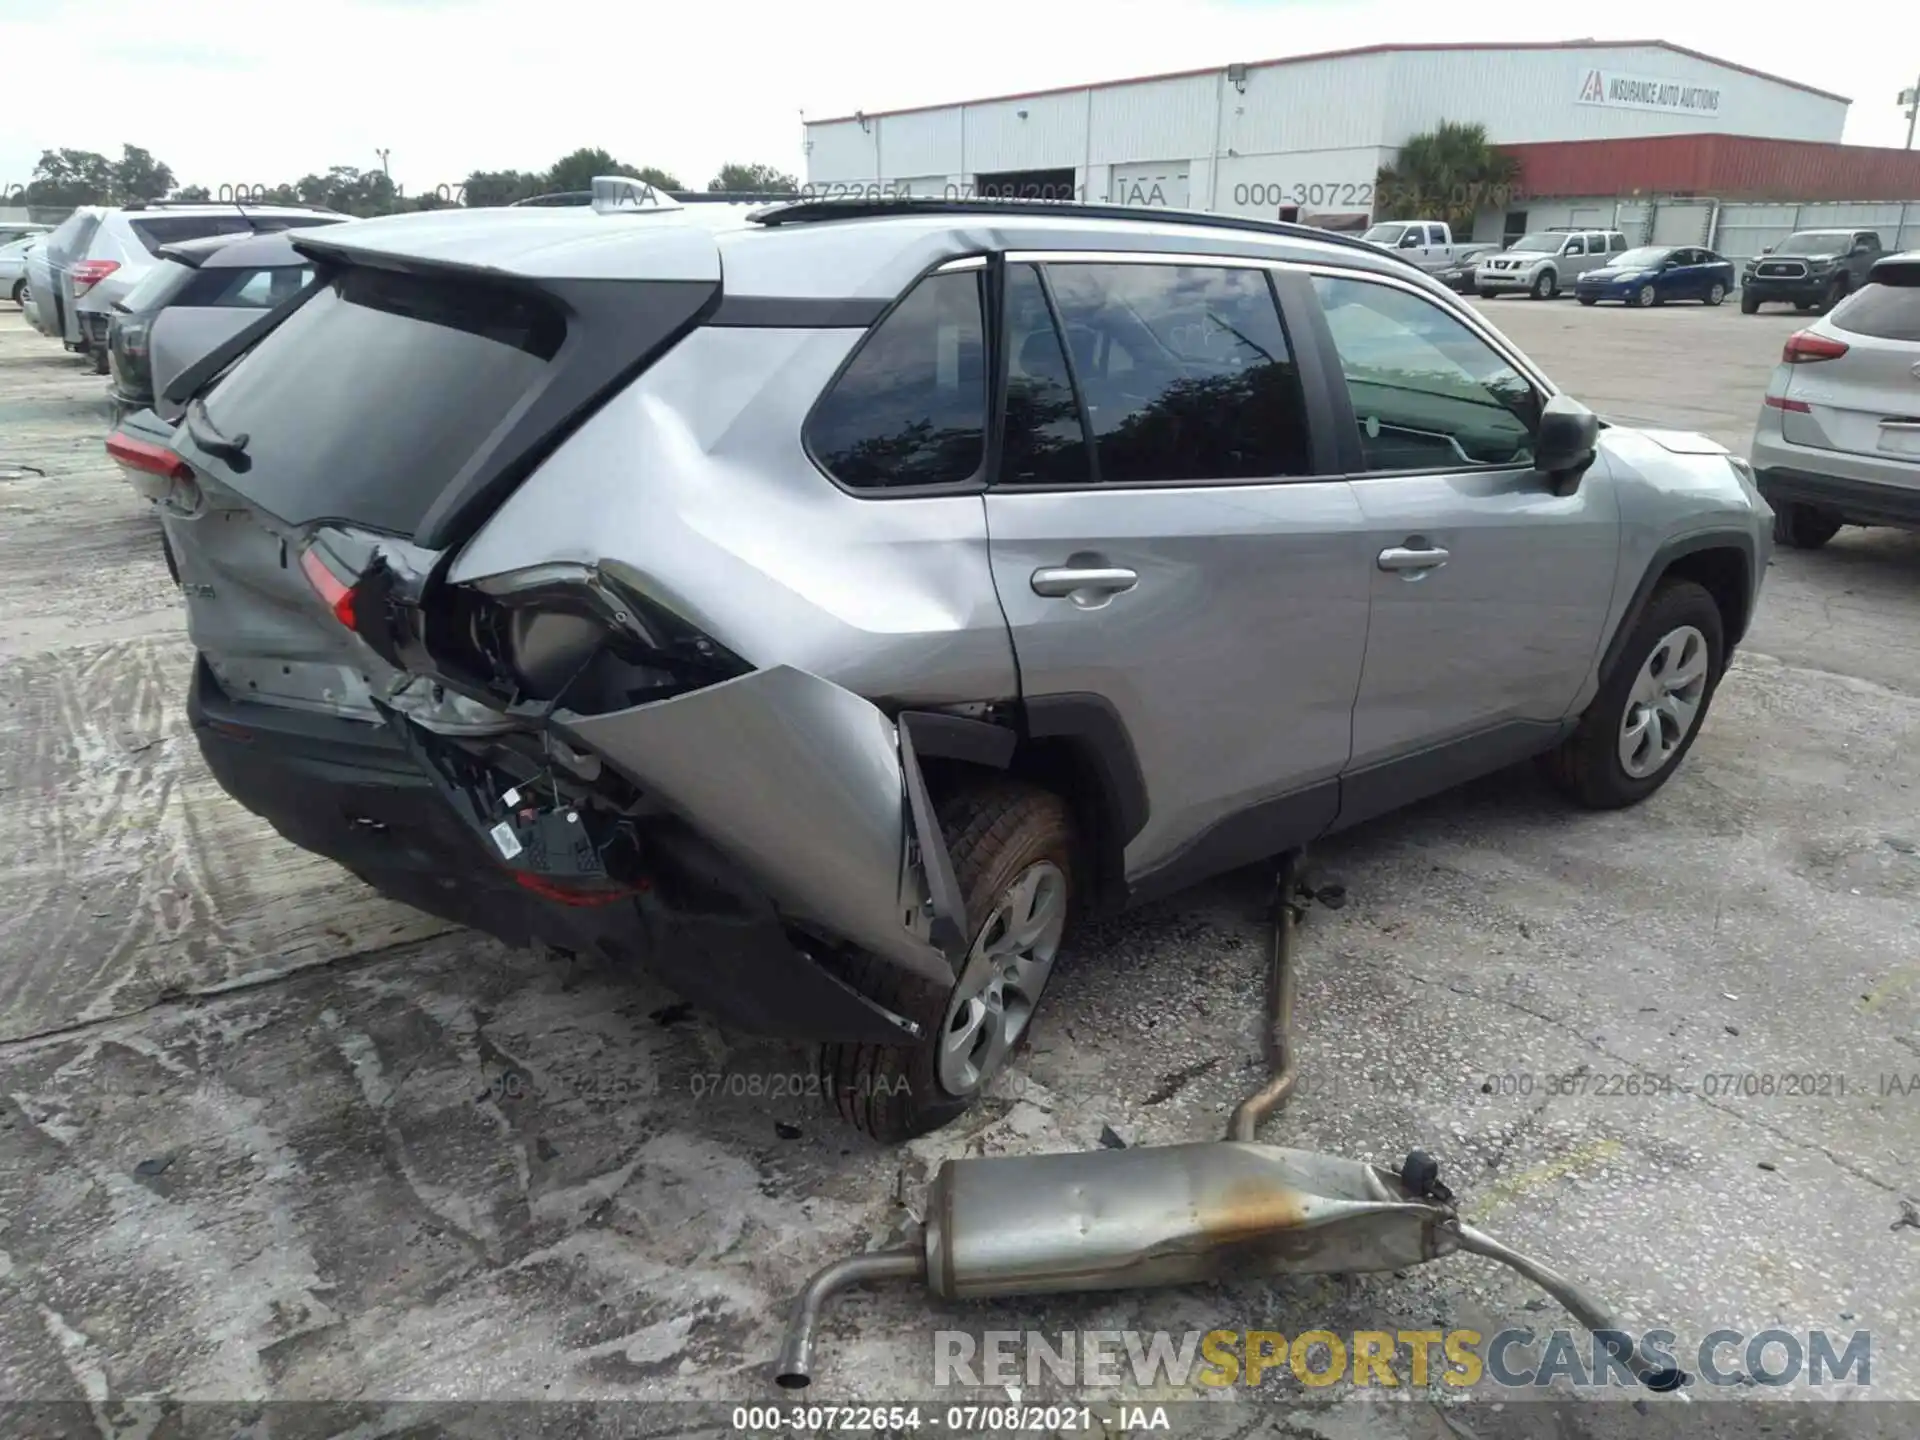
(19, 292)
(1749, 304)
(1835, 294)
(1804, 527)
(98, 358)
(1589, 299)
(1587, 767)
(1547, 286)
(1806, 307)
(1645, 296)
(1716, 293)
(1485, 294)
(997, 832)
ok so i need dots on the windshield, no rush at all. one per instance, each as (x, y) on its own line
(1385, 234)
(1547, 244)
(1815, 242)
(1645, 258)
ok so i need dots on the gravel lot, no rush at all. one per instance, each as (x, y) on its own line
(264, 1135)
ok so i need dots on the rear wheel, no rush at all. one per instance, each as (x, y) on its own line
(1014, 855)
(1716, 292)
(20, 292)
(1647, 714)
(1804, 527)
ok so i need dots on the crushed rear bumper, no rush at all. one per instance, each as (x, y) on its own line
(352, 792)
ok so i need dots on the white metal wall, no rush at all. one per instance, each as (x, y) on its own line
(1303, 123)
(1744, 229)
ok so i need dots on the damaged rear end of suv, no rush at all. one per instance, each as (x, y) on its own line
(589, 712)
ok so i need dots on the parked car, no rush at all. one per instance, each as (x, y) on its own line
(659, 588)
(126, 244)
(12, 230)
(1458, 277)
(200, 293)
(1655, 274)
(1546, 262)
(1810, 269)
(1838, 440)
(13, 266)
(1428, 244)
(47, 265)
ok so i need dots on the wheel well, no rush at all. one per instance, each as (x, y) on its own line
(1069, 768)
(1722, 573)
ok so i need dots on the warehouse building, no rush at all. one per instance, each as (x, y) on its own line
(1665, 142)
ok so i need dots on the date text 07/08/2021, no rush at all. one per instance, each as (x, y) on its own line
(961, 1419)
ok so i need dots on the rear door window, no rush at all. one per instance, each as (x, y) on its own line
(910, 409)
(1044, 441)
(1185, 372)
(158, 287)
(365, 402)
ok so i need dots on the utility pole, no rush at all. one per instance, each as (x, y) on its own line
(383, 162)
(1911, 99)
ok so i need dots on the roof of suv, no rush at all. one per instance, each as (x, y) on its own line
(854, 249)
(213, 252)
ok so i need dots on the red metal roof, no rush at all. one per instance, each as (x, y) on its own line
(1345, 54)
(1724, 167)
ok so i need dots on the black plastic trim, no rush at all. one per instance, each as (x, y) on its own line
(1332, 439)
(1856, 501)
(1389, 785)
(1256, 833)
(949, 930)
(955, 737)
(800, 312)
(1093, 721)
(1658, 566)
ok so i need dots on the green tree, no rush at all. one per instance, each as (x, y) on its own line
(576, 172)
(1450, 173)
(734, 179)
(191, 192)
(345, 188)
(502, 187)
(138, 176)
(71, 177)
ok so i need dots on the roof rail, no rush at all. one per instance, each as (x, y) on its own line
(685, 197)
(803, 212)
(228, 205)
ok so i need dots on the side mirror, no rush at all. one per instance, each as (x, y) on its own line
(1766, 249)
(1568, 439)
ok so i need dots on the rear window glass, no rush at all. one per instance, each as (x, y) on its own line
(370, 397)
(157, 287)
(1886, 312)
(157, 230)
(244, 287)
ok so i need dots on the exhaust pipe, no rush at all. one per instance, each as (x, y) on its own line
(1185, 1214)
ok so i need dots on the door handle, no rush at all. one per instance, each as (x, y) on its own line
(1069, 580)
(1399, 558)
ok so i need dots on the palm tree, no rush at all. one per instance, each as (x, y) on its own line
(1450, 173)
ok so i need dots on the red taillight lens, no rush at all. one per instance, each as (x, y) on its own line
(144, 455)
(1804, 347)
(579, 896)
(1781, 402)
(89, 273)
(329, 587)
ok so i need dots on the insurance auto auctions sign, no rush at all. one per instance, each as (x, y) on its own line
(1622, 91)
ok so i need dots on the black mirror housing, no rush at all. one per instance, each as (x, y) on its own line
(1568, 439)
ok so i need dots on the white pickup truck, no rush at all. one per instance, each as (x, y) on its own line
(1427, 243)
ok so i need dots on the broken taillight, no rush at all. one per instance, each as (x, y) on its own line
(89, 273)
(1804, 347)
(335, 592)
(147, 457)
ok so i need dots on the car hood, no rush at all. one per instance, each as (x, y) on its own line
(1681, 442)
(1611, 272)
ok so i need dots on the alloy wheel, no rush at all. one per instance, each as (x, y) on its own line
(1007, 968)
(1664, 703)
(1644, 295)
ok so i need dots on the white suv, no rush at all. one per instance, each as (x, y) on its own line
(126, 243)
(1546, 262)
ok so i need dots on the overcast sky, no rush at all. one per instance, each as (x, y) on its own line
(244, 91)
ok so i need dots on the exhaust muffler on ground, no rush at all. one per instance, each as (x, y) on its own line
(1187, 1214)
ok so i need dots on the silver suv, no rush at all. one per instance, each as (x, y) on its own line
(830, 604)
(1546, 262)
